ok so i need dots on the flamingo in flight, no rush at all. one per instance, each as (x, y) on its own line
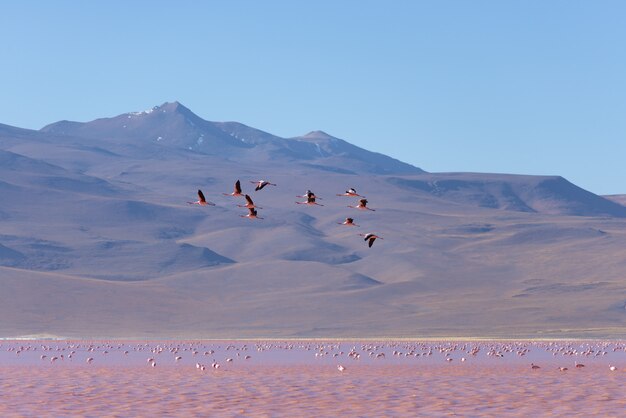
(237, 191)
(362, 205)
(348, 222)
(201, 200)
(309, 194)
(310, 200)
(252, 214)
(371, 237)
(249, 203)
(261, 184)
(351, 192)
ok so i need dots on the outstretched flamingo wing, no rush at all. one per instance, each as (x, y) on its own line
(201, 196)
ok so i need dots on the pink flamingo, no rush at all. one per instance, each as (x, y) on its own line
(261, 184)
(201, 200)
(310, 194)
(371, 237)
(252, 214)
(351, 192)
(362, 205)
(310, 200)
(236, 192)
(348, 222)
(249, 204)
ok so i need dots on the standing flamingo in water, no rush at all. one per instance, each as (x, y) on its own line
(201, 200)
(351, 192)
(362, 205)
(252, 214)
(371, 237)
(348, 222)
(236, 192)
(261, 184)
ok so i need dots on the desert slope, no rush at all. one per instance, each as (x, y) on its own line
(97, 239)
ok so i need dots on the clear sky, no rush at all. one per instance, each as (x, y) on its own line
(529, 87)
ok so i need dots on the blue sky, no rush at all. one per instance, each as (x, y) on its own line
(528, 87)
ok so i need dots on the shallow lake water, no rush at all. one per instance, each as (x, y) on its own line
(303, 378)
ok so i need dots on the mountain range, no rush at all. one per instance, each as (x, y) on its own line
(97, 239)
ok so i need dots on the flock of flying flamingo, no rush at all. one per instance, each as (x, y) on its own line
(311, 200)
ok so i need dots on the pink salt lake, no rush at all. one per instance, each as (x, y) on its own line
(301, 378)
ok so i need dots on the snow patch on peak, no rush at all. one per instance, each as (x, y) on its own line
(144, 112)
